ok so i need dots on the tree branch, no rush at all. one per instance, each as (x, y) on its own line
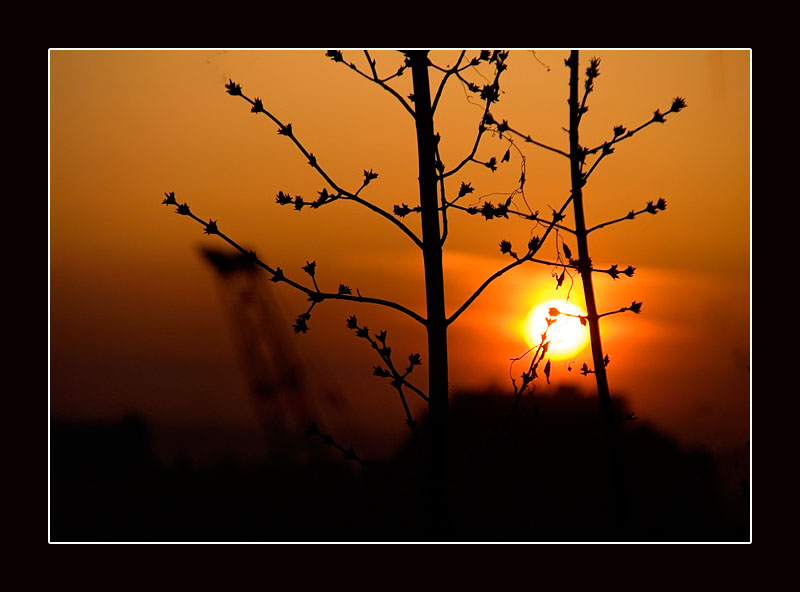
(278, 275)
(635, 307)
(383, 213)
(375, 78)
(532, 250)
(349, 453)
(473, 210)
(398, 380)
(621, 133)
(650, 208)
(443, 207)
(286, 130)
(530, 140)
(485, 285)
(447, 75)
(489, 94)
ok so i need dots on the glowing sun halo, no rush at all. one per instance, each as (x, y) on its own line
(567, 335)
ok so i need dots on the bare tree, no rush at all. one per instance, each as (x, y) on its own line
(583, 161)
(438, 196)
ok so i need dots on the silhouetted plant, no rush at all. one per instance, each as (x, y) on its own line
(581, 170)
(436, 199)
(433, 209)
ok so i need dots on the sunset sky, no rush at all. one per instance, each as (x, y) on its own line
(137, 322)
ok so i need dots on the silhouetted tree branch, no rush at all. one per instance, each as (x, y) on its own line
(447, 74)
(578, 155)
(349, 453)
(621, 133)
(650, 208)
(398, 380)
(433, 208)
(533, 246)
(505, 125)
(337, 56)
(325, 198)
(277, 274)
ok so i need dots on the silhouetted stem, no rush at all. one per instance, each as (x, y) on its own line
(377, 80)
(531, 217)
(510, 266)
(469, 158)
(410, 386)
(613, 312)
(308, 291)
(620, 138)
(398, 381)
(485, 284)
(630, 216)
(530, 140)
(577, 156)
(444, 212)
(447, 74)
(594, 166)
(395, 374)
(328, 439)
(438, 402)
(481, 131)
(341, 191)
(384, 214)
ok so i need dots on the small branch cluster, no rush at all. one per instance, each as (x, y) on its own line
(578, 156)
(349, 453)
(531, 373)
(634, 307)
(337, 56)
(325, 197)
(388, 370)
(614, 271)
(487, 95)
(534, 243)
(585, 370)
(314, 294)
(620, 133)
(651, 208)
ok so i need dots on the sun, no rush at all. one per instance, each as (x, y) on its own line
(567, 335)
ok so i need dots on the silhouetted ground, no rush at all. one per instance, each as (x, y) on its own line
(540, 476)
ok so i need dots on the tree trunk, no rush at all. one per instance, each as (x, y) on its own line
(585, 268)
(434, 278)
(584, 261)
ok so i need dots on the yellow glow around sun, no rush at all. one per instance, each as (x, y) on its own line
(567, 335)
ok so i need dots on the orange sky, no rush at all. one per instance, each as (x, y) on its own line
(136, 321)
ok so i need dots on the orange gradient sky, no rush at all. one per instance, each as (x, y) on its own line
(136, 320)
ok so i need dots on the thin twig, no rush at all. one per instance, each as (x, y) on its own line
(635, 307)
(530, 140)
(485, 285)
(398, 380)
(532, 217)
(510, 266)
(620, 133)
(481, 127)
(377, 80)
(349, 453)
(443, 208)
(447, 74)
(278, 275)
(286, 130)
(650, 208)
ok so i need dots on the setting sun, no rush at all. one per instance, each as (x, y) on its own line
(567, 335)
